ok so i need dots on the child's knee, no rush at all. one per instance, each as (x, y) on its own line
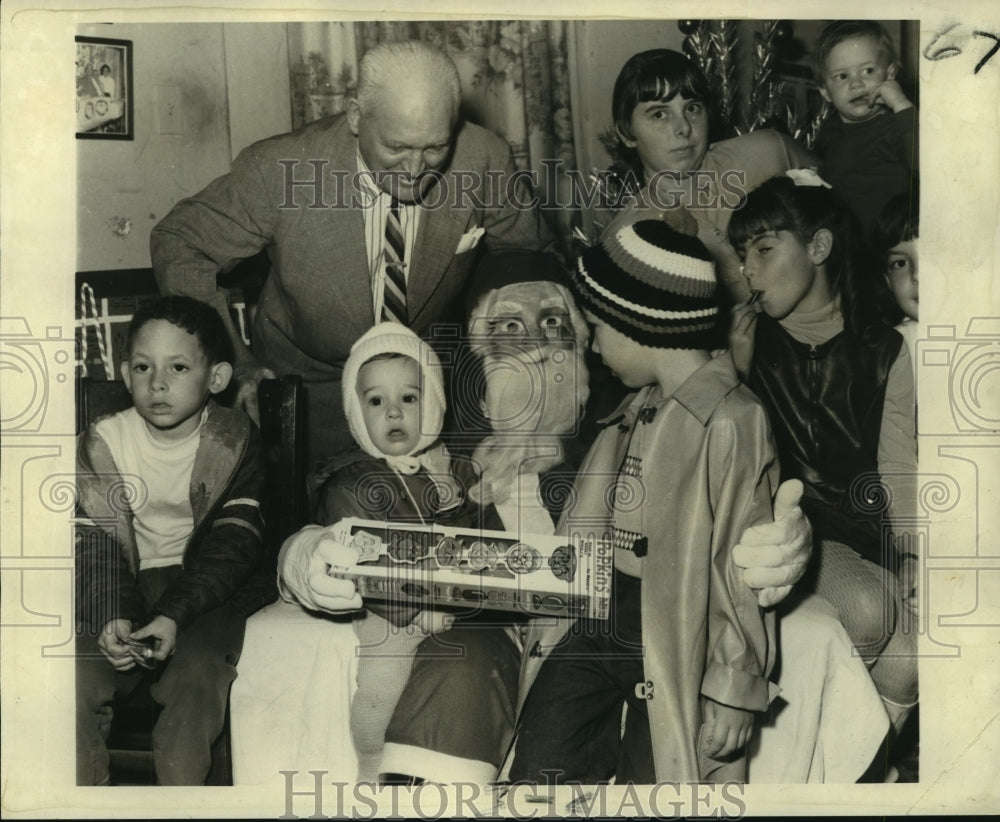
(196, 680)
(871, 617)
(95, 684)
(865, 595)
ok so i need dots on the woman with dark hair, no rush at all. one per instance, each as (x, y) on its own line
(662, 114)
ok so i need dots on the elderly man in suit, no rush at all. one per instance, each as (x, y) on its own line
(370, 215)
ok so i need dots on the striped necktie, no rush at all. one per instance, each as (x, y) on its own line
(394, 290)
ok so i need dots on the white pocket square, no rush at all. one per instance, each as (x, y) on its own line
(470, 240)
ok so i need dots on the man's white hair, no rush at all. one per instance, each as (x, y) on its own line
(408, 58)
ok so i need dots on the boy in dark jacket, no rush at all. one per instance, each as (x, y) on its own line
(172, 560)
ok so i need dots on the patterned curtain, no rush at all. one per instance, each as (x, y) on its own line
(324, 69)
(515, 82)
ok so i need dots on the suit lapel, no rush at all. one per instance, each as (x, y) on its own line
(433, 250)
(344, 241)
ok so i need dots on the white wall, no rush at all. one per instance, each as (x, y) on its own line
(125, 187)
(258, 83)
(231, 81)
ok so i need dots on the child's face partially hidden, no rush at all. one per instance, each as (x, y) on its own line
(389, 392)
(854, 69)
(628, 359)
(170, 379)
(901, 274)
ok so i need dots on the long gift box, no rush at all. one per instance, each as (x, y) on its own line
(539, 575)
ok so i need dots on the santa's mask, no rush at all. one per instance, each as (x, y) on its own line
(531, 340)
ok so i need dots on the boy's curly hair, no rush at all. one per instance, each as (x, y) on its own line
(195, 317)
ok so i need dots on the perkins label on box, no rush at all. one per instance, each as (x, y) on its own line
(439, 565)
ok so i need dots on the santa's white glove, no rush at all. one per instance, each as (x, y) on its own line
(775, 554)
(304, 567)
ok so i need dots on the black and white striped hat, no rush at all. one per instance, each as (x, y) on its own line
(653, 284)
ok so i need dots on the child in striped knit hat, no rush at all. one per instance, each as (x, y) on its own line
(678, 471)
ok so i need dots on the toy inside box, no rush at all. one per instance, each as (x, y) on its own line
(498, 570)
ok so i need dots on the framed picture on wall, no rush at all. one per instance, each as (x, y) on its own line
(104, 95)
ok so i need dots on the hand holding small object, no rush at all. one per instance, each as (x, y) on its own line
(162, 630)
(142, 651)
(742, 329)
(114, 644)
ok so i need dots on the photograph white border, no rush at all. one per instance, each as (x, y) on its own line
(960, 197)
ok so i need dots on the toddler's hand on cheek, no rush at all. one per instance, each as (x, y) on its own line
(890, 94)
